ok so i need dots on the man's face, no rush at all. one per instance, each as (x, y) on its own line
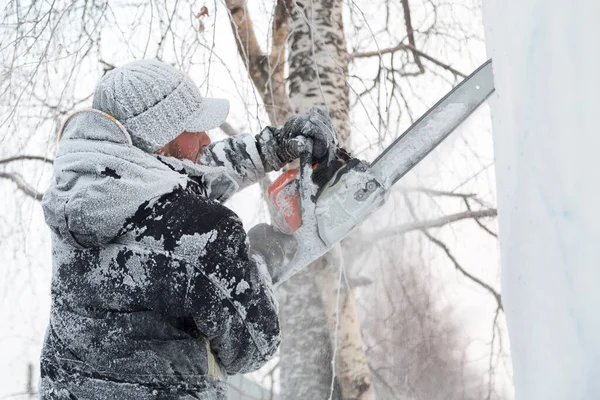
(187, 145)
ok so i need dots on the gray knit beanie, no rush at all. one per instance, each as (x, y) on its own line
(156, 103)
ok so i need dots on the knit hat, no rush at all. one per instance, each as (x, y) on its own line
(156, 103)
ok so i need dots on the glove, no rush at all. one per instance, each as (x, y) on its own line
(316, 125)
(279, 146)
(274, 247)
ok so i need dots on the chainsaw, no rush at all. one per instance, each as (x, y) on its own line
(318, 213)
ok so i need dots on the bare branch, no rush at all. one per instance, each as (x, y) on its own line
(22, 185)
(407, 47)
(436, 61)
(485, 228)
(491, 367)
(411, 34)
(107, 67)
(487, 287)
(374, 53)
(444, 193)
(27, 157)
(246, 42)
(435, 223)
(434, 192)
(266, 71)
(457, 265)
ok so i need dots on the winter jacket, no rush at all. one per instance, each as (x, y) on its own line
(154, 294)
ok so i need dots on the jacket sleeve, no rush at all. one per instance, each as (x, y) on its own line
(239, 154)
(229, 293)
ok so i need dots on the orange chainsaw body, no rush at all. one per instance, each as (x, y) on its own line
(283, 199)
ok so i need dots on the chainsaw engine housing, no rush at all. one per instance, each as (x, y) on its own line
(349, 197)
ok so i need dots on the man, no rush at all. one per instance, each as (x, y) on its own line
(155, 292)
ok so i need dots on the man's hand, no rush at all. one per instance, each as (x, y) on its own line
(274, 247)
(316, 125)
(279, 146)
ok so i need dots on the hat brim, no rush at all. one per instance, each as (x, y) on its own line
(212, 113)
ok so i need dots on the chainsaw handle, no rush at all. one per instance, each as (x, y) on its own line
(310, 246)
(306, 160)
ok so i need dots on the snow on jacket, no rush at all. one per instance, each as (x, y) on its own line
(146, 265)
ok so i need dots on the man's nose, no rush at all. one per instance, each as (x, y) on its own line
(203, 139)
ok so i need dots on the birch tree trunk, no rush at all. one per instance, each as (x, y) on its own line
(318, 67)
(314, 310)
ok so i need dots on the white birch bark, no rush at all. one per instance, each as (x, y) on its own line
(318, 63)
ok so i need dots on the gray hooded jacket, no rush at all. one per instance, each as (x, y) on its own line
(154, 294)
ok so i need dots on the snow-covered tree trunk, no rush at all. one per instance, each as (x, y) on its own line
(312, 308)
(318, 61)
(545, 126)
(305, 348)
(351, 364)
(318, 66)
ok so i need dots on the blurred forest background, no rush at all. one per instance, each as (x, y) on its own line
(408, 306)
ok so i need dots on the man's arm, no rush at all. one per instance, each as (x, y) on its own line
(226, 291)
(243, 326)
(239, 154)
(247, 158)
(206, 273)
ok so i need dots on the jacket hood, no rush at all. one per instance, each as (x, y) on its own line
(101, 180)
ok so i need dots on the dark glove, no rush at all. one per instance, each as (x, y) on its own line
(314, 124)
(279, 146)
(274, 247)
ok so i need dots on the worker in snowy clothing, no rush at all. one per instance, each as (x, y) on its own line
(157, 292)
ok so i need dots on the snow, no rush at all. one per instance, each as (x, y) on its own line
(241, 287)
(195, 245)
(544, 116)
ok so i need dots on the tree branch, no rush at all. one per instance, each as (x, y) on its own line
(436, 61)
(485, 228)
(411, 34)
(22, 185)
(434, 223)
(433, 192)
(266, 71)
(457, 265)
(407, 47)
(27, 157)
(366, 54)
(275, 94)
(487, 287)
(491, 367)
(247, 44)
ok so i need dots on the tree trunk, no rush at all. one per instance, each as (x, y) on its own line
(319, 61)
(314, 306)
(305, 348)
(311, 300)
(351, 365)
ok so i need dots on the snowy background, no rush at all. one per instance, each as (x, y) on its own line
(425, 325)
